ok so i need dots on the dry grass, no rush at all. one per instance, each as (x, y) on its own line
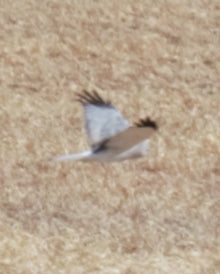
(160, 214)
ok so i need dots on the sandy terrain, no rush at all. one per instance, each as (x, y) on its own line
(159, 214)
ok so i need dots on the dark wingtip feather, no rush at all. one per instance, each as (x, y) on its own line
(91, 98)
(146, 123)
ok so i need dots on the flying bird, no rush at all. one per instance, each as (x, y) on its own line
(109, 134)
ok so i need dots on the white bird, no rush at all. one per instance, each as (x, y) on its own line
(109, 134)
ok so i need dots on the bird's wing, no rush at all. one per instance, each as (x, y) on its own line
(130, 137)
(102, 120)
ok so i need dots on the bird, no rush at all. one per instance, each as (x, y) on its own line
(110, 137)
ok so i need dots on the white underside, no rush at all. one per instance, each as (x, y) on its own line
(136, 151)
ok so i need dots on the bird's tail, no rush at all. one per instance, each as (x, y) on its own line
(83, 156)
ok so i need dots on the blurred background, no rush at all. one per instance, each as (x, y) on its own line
(158, 214)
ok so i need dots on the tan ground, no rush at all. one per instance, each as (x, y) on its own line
(159, 214)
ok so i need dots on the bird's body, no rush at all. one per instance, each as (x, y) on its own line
(109, 134)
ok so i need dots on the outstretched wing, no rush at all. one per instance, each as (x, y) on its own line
(102, 120)
(130, 137)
